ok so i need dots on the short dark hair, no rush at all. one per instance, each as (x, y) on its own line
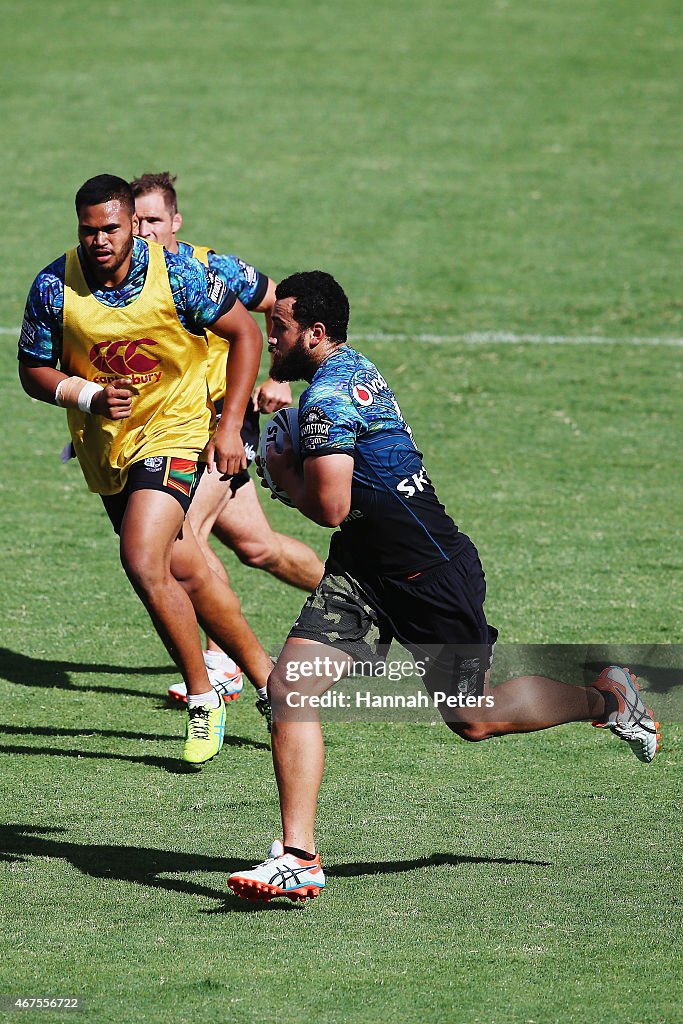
(162, 181)
(318, 299)
(104, 188)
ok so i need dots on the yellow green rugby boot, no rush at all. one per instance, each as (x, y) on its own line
(204, 733)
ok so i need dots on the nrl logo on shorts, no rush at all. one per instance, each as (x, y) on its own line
(154, 463)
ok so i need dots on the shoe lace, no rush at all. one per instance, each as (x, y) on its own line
(199, 723)
(633, 731)
(638, 718)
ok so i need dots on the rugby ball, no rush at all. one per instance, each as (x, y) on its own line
(284, 423)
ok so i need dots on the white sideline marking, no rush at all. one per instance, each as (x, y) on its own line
(494, 338)
(508, 338)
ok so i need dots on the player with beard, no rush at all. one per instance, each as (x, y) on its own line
(398, 568)
(228, 507)
(124, 320)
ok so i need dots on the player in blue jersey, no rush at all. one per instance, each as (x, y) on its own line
(398, 568)
(229, 508)
(114, 331)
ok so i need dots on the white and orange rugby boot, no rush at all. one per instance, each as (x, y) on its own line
(631, 721)
(224, 675)
(281, 874)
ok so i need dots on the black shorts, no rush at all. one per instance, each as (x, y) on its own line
(238, 480)
(249, 432)
(437, 615)
(177, 477)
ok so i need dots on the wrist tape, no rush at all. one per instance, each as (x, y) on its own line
(76, 393)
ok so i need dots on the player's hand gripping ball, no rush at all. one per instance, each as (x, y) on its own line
(284, 424)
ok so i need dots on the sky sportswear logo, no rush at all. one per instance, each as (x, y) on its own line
(122, 358)
(415, 483)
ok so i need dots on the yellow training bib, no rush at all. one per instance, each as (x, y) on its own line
(145, 342)
(218, 347)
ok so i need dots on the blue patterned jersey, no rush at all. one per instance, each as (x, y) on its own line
(248, 283)
(397, 526)
(201, 296)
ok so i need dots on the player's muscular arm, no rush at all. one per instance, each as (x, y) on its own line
(114, 402)
(40, 381)
(241, 330)
(271, 396)
(326, 492)
(323, 492)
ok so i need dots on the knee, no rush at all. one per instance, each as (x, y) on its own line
(144, 571)
(277, 686)
(192, 574)
(473, 732)
(280, 691)
(256, 554)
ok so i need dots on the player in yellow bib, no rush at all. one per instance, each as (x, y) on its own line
(171, 415)
(124, 320)
(229, 508)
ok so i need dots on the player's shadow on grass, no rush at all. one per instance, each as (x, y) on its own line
(233, 904)
(173, 765)
(659, 678)
(169, 764)
(381, 867)
(48, 730)
(139, 865)
(23, 670)
(147, 866)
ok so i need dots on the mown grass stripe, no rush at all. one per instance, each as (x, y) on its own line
(510, 338)
(494, 338)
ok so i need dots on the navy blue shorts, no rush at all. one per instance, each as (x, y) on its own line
(437, 615)
(250, 430)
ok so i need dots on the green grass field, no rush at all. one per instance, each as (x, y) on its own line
(464, 170)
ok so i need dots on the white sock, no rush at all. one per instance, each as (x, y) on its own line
(214, 659)
(262, 692)
(200, 700)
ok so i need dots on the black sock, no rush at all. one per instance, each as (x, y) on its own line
(301, 854)
(611, 703)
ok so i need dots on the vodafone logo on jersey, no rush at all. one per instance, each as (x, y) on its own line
(362, 395)
(122, 358)
(368, 388)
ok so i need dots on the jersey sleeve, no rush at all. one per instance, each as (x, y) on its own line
(201, 294)
(248, 283)
(329, 422)
(40, 341)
